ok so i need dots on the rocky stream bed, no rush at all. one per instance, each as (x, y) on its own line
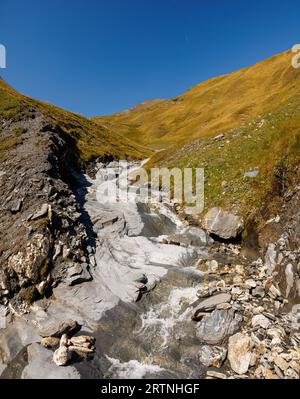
(159, 298)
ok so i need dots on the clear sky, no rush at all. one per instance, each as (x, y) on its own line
(98, 57)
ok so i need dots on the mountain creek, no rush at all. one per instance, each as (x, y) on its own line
(159, 299)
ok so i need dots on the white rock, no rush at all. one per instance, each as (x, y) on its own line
(260, 321)
(239, 354)
(289, 276)
(61, 356)
(223, 224)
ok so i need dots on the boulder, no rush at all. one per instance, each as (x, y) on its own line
(56, 328)
(223, 224)
(213, 328)
(239, 354)
(212, 356)
(210, 303)
(41, 366)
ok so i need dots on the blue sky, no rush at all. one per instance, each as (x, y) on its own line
(98, 57)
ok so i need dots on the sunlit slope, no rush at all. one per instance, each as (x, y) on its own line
(257, 113)
(212, 107)
(90, 139)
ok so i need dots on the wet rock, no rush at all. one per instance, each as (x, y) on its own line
(212, 356)
(50, 342)
(55, 328)
(260, 321)
(61, 356)
(212, 302)
(239, 354)
(213, 328)
(41, 366)
(223, 224)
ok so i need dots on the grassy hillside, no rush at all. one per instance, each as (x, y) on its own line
(91, 139)
(212, 107)
(257, 109)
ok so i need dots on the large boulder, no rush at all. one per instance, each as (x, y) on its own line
(223, 224)
(41, 366)
(219, 324)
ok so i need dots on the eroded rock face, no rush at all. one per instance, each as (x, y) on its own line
(39, 211)
(214, 327)
(223, 224)
(27, 263)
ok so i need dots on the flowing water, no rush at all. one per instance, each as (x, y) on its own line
(141, 298)
(148, 333)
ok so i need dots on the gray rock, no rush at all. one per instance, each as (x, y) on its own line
(78, 274)
(41, 366)
(251, 173)
(260, 320)
(41, 213)
(214, 327)
(212, 356)
(258, 291)
(56, 328)
(239, 354)
(3, 313)
(223, 224)
(16, 206)
(197, 236)
(212, 302)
